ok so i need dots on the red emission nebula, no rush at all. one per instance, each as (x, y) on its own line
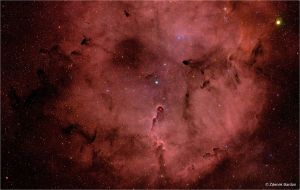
(150, 94)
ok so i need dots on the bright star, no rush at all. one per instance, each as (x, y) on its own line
(278, 21)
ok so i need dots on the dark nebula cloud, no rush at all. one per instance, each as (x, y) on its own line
(149, 94)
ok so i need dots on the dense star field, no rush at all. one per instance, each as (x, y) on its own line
(149, 94)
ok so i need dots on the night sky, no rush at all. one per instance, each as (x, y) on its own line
(164, 94)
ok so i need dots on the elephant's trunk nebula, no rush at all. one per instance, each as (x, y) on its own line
(162, 94)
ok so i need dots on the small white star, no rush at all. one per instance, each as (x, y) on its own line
(179, 37)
